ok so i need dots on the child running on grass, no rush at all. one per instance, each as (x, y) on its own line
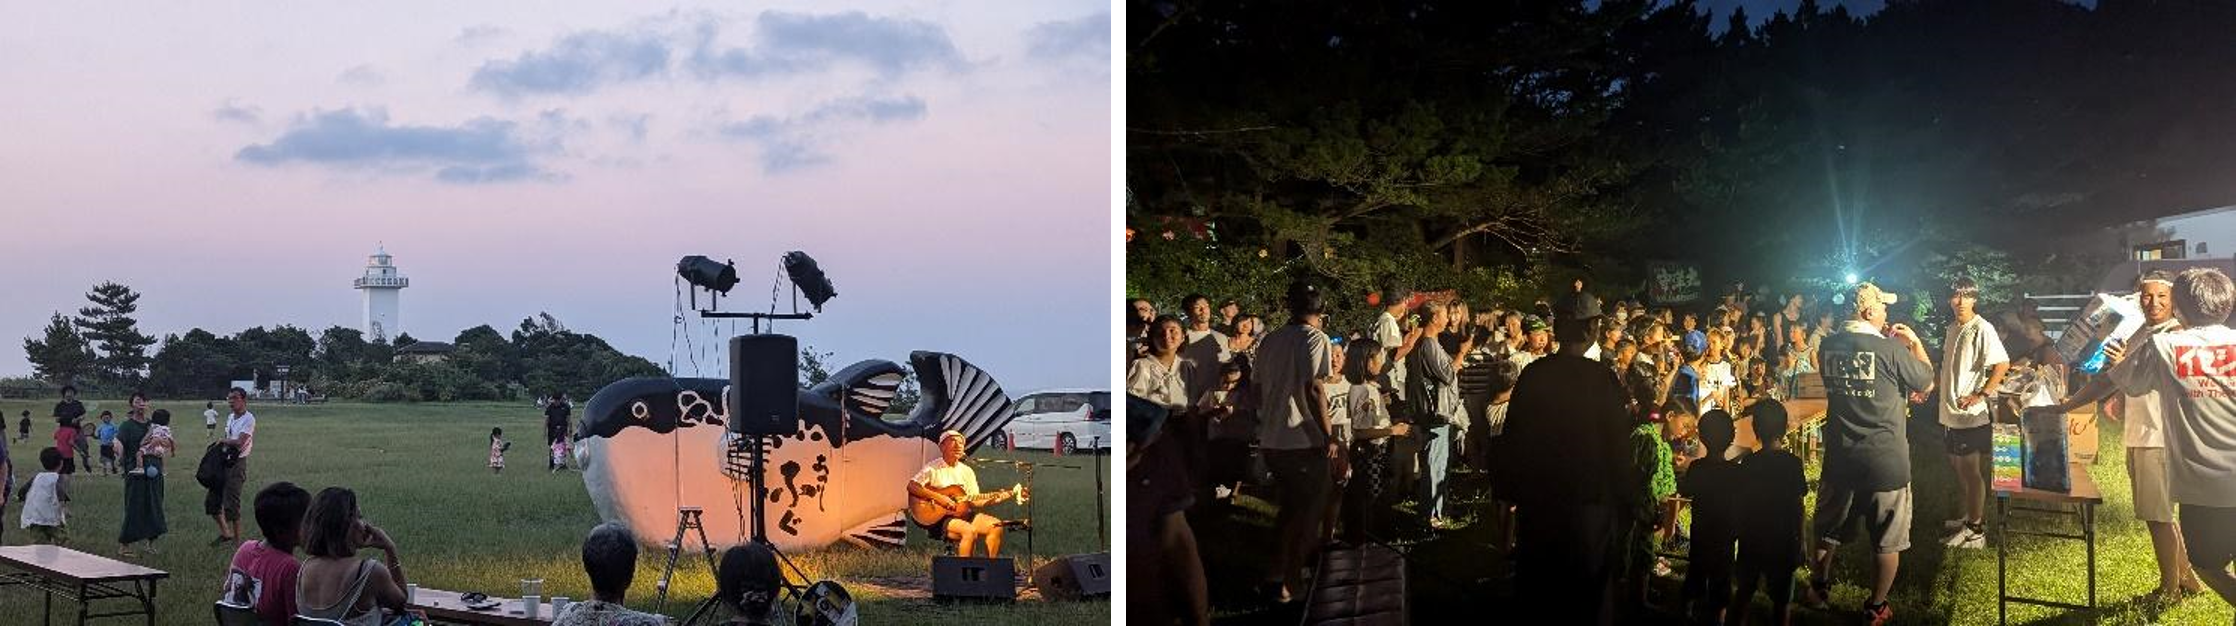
(497, 446)
(23, 427)
(46, 501)
(1770, 544)
(106, 434)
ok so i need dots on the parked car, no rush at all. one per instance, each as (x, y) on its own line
(1062, 420)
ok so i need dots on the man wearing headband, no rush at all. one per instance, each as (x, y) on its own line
(963, 524)
(2142, 418)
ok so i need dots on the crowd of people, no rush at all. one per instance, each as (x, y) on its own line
(1595, 426)
(308, 562)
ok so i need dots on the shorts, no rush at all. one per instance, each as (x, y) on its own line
(2210, 532)
(1885, 516)
(1776, 578)
(227, 500)
(2154, 492)
(1976, 440)
(108, 455)
(1301, 478)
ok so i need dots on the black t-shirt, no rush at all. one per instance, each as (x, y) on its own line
(1771, 531)
(1868, 379)
(1716, 491)
(68, 412)
(1567, 437)
(555, 418)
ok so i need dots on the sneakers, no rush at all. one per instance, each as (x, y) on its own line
(1967, 538)
(1953, 525)
(1880, 614)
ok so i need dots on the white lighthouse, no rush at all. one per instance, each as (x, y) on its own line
(383, 287)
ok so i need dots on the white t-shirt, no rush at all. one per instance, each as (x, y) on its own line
(1592, 352)
(1339, 408)
(209, 418)
(1366, 407)
(1715, 380)
(938, 474)
(1494, 416)
(1154, 381)
(1201, 354)
(1292, 361)
(245, 423)
(43, 506)
(1386, 332)
(1968, 354)
(2142, 420)
(2194, 372)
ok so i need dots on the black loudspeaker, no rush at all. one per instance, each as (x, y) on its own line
(1075, 577)
(764, 384)
(973, 578)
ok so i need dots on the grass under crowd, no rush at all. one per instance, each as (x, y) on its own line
(1458, 572)
(421, 473)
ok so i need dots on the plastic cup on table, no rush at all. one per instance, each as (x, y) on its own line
(529, 605)
(411, 593)
(531, 587)
(559, 605)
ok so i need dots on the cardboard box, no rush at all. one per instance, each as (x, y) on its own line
(2104, 317)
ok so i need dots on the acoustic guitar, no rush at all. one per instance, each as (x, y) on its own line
(926, 512)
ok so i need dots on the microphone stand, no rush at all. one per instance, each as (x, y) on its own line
(1102, 522)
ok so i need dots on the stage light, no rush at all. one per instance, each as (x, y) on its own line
(1851, 278)
(809, 279)
(706, 274)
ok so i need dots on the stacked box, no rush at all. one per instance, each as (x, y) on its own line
(2009, 469)
(2105, 317)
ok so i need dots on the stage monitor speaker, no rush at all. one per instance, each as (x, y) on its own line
(764, 384)
(974, 578)
(1075, 577)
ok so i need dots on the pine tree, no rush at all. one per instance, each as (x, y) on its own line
(62, 357)
(110, 327)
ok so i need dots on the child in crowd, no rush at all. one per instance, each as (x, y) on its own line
(559, 454)
(1652, 456)
(46, 501)
(106, 434)
(1759, 384)
(1770, 543)
(1371, 430)
(1223, 426)
(1715, 488)
(158, 443)
(1339, 426)
(1682, 428)
(497, 447)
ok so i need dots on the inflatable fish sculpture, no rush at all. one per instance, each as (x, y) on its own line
(649, 446)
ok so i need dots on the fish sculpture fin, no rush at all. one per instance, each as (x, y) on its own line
(957, 396)
(889, 533)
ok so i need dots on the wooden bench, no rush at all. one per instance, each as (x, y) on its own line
(83, 578)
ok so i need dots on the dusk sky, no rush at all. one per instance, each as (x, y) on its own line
(947, 163)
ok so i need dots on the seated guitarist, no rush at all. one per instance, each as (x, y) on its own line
(964, 523)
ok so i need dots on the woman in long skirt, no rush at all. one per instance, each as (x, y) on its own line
(143, 477)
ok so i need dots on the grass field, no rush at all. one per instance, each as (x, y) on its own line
(1457, 572)
(420, 472)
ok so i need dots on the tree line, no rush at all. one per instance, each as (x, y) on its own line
(101, 350)
(1502, 148)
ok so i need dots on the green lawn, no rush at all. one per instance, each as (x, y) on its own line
(420, 472)
(1457, 572)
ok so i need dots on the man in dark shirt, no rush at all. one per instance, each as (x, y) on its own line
(555, 425)
(1565, 461)
(1869, 379)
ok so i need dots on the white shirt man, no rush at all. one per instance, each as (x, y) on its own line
(1388, 334)
(242, 427)
(1969, 353)
(1293, 359)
